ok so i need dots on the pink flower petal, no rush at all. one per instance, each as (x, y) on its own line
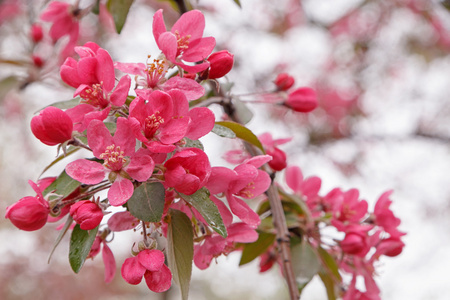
(191, 23)
(124, 137)
(159, 281)
(199, 49)
(119, 96)
(167, 42)
(121, 190)
(191, 88)
(132, 271)
(152, 260)
(105, 69)
(202, 122)
(122, 221)
(131, 68)
(294, 178)
(86, 171)
(98, 137)
(141, 165)
(241, 233)
(110, 263)
(243, 211)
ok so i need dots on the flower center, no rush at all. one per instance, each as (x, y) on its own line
(182, 42)
(247, 191)
(113, 158)
(95, 96)
(152, 124)
(155, 71)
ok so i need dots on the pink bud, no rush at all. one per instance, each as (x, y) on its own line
(37, 61)
(87, 214)
(354, 243)
(302, 100)
(278, 161)
(29, 213)
(52, 126)
(36, 33)
(284, 81)
(220, 64)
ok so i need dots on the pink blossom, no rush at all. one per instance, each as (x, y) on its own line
(65, 23)
(150, 265)
(93, 77)
(245, 181)
(86, 213)
(153, 78)
(220, 63)
(384, 217)
(184, 43)
(52, 126)
(187, 171)
(346, 206)
(215, 245)
(307, 187)
(356, 240)
(119, 161)
(29, 213)
(302, 100)
(165, 119)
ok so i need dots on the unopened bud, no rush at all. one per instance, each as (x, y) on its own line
(284, 81)
(29, 213)
(36, 33)
(37, 61)
(302, 100)
(87, 214)
(220, 64)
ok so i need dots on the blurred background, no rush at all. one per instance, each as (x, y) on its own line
(381, 69)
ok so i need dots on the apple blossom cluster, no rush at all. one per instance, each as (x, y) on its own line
(139, 125)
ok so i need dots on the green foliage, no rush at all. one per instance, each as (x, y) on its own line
(223, 131)
(62, 233)
(64, 185)
(66, 104)
(80, 245)
(209, 211)
(193, 143)
(253, 250)
(243, 133)
(304, 262)
(180, 249)
(147, 202)
(119, 10)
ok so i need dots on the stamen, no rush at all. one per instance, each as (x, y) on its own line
(113, 158)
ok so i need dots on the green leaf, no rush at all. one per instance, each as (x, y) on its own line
(80, 245)
(193, 143)
(242, 112)
(119, 10)
(201, 202)
(305, 263)
(253, 250)
(66, 104)
(329, 263)
(180, 249)
(238, 3)
(243, 133)
(329, 285)
(62, 233)
(223, 131)
(147, 202)
(64, 185)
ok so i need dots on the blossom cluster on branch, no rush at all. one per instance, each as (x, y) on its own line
(140, 125)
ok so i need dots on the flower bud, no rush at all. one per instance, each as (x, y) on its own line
(284, 81)
(278, 161)
(355, 244)
(302, 100)
(52, 126)
(87, 214)
(220, 64)
(36, 33)
(37, 61)
(29, 213)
